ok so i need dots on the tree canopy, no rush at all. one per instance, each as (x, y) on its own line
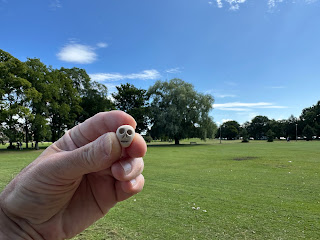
(133, 101)
(177, 111)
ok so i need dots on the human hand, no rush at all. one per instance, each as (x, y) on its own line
(74, 182)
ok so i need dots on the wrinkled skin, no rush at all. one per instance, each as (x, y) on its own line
(74, 182)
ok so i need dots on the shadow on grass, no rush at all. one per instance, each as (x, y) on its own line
(24, 149)
(173, 145)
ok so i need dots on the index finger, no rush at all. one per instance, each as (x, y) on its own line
(93, 128)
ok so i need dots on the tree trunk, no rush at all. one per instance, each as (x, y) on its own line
(36, 146)
(27, 137)
(176, 141)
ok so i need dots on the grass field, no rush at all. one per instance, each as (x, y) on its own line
(255, 190)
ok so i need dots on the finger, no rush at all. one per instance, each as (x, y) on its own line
(127, 189)
(93, 128)
(127, 169)
(138, 147)
(93, 157)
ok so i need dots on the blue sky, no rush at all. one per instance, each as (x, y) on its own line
(255, 57)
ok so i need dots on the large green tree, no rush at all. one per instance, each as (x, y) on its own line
(258, 127)
(133, 101)
(93, 95)
(308, 132)
(177, 111)
(229, 130)
(311, 116)
(15, 91)
(36, 123)
(64, 107)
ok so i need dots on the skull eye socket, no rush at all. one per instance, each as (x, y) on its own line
(121, 130)
(129, 132)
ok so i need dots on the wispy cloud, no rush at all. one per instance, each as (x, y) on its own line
(220, 94)
(233, 4)
(244, 107)
(173, 70)
(273, 3)
(54, 4)
(277, 87)
(224, 95)
(144, 75)
(230, 83)
(102, 45)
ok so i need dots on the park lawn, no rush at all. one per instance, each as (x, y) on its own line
(255, 190)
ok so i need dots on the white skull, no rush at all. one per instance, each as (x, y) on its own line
(125, 134)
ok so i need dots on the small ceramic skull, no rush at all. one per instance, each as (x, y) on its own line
(125, 134)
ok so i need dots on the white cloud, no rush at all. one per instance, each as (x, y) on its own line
(273, 3)
(277, 87)
(219, 94)
(235, 109)
(173, 70)
(102, 45)
(230, 83)
(219, 3)
(77, 53)
(55, 4)
(225, 95)
(244, 107)
(210, 3)
(234, 5)
(144, 75)
(311, 1)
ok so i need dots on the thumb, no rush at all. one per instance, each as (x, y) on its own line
(93, 157)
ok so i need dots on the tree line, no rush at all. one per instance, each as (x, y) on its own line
(39, 103)
(306, 126)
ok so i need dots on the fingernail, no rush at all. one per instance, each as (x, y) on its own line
(126, 167)
(133, 182)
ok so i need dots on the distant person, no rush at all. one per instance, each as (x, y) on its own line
(288, 139)
(74, 182)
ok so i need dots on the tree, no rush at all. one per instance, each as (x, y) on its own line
(15, 92)
(244, 135)
(308, 132)
(278, 127)
(177, 111)
(270, 135)
(133, 101)
(230, 130)
(64, 107)
(311, 116)
(258, 127)
(93, 95)
(290, 127)
(36, 123)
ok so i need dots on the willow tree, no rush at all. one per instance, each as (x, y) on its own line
(177, 111)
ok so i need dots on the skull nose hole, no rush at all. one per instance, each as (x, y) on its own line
(121, 130)
(129, 132)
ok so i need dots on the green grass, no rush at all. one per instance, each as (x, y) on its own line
(255, 190)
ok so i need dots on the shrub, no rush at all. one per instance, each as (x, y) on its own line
(148, 138)
(244, 135)
(270, 135)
